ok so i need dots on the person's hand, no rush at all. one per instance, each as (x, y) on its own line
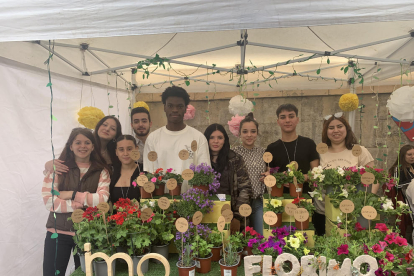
(60, 167)
(234, 226)
(65, 195)
(286, 185)
(306, 177)
(264, 175)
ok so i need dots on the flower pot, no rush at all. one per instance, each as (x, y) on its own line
(121, 249)
(228, 270)
(216, 251)
(293, 192)
(302, 225)
(160, 190)
(277, 192)
(239, 256)
(144, 194)
(176, 191)
(186, 271)
(247, 251)
(279, 221)
(160, 249)
(203, 265)
(101, 268)
(144, 266)
(363, 221)
(361, 187)
(201, 187)
(82, 262)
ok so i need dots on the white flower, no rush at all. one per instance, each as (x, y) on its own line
(338, 219)
(152, 203)
(344, 193)
(401, 204)
(312, 194)
(341, 171)
(321, 177)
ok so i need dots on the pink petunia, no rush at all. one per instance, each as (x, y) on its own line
(343, 249)
(400, 241)
(170, 170)
(389, 256)
(358, 227)
(134, 184)
(390, 239)
(382, 244)
(382, 227)
(376, 248)
(154, 179)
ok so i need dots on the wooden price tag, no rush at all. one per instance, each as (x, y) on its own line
(221, 222)
(295, 165)
(141, 180)
(171, 184)
(194, 145)
(152, 156)
(183, 154)
(290, 209)
(228, 215)
(182, 225)
(77, 215)
(134, 154)
(245, 210)
(270, 181)
(346, 206)
(369, 212)
(146, 214)
(149, 187)
(197, 218)
(164, 203)
(356, 150)
(225, 207)
(267, 157)
(103, 206)
(301, 214)
(322, 148)
(187, 174)
(367, 178)
(270, 217)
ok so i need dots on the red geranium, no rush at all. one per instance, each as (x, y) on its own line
(297, 200)
(158, 170)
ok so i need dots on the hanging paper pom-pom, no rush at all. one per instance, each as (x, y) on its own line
(234, 124)
(240, 106)
(348, 102)
(190, 113)
(401, 104)
(89, 116)
(141, 104)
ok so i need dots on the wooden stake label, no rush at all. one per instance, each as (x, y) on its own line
(146, 214)
(134, 154)
(322, 148)
(171, 184)
(367, 178)
(267, 157)
(270, 181)
(149, 187)
(228, 215)
(225, 207)
(141, 180)
(152, 156)
(194, 145)
(221, 222)
(197, 218)
(103, 207)
(301, 214)
(182, 225)
(77, 215)
(369, 212)
(183, 154)
(346, 206)
(187, 174)
(290, 209)
(164, 203)
(356, 150)
(245, 210)
(270, 217)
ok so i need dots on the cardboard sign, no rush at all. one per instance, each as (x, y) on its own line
(152, 156)
(245, 210)
(171, 184)
(228, 215)
(103, 206)
(290, 209)
(187, 174)
(367, 178)
(295, 165)
(270, 181)
(301, 214)
(146, 214)
(197, 218)
(346, 206)
(149, 187)
(141, 180)
(267, 157)
(356, 150)
(369, 212)
(194, 145)
(183, 154)
(77, 215)
(322, 148)
(225, 207)
(221, 222)
(164, 203)
(182, 225)
(270, 217)
(134, 154)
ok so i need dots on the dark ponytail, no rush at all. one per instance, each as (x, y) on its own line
(249, 118)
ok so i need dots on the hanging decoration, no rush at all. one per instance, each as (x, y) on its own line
(141, 104)
(234, 124)
(401, 104)
(89, 116)
(190, 113)
(349, 102)
(240, 106)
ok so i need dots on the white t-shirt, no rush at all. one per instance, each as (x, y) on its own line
(167, 144)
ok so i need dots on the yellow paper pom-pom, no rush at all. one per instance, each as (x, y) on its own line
(141, 104)
(89, 116)
(348, 102)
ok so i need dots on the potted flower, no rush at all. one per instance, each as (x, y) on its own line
(238, 242)
(327, 181)
(281, 178)
(186, 263)
(303, 203)
(275, 205)
(202, 252)
(291, 174)
(157, 178)
(229, 264)
(205, 178)
(215, 239)
(172, 175)
(249, 233)
(192, 201)
(162, 235)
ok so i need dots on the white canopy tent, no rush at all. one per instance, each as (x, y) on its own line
(194, 35)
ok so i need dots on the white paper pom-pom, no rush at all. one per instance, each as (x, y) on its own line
(401, 104)
(240, 106)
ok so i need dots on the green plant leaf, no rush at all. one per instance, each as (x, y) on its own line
(375, 127)
(49, 84)
(187, 82)
(111, 106)
(328, 61)
(345, 70)
(318, 71)
(379, 159)
(54, 118)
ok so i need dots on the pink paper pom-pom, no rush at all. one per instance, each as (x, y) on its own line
(234, 124)
(190, 113)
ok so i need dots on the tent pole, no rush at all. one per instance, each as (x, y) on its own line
(64, 59)
(204, 51)
(351, 115)
(93, 54)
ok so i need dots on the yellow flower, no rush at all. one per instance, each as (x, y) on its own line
(141, 104)
(348, 102)
(300, 236)
(306, 251)
(294, 242)
(276, 203)
(291, 173)
(89, 116)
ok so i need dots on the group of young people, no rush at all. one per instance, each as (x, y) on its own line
(96, 166)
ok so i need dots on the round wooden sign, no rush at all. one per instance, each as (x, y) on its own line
(367, 178)
(152, 156)
(149, 187)
(295, 165)
(270, 217)
(221, 222)
(141, 180)
(197, 218)
(171, 184)
(183, 154)
(270, 181)
(134, 154)
(290, 209)
(322, 148)
(369, 212)
(194, 145)
(356, 150)
(228, 215)
(103, 206)
(245, 210)
(181, 224)
(164, 203)
(346, 206)
(146, 214)
(267, 157)
(77, 215)
(225, 207)
(301, 214)
(187, 174)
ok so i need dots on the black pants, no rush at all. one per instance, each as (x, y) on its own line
(319, 224)
(65, 246)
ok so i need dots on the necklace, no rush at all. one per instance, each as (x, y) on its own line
(122, 190)
(294, 154)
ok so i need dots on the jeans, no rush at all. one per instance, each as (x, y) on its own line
(256, 218)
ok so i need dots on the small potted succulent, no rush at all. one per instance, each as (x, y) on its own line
(276, 205)
(186, 264)
(230, 262)
(202, 252)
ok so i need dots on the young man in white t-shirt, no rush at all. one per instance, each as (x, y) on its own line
(169, 140)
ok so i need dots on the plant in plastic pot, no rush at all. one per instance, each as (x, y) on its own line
(192, 201)
(205, 178)
(300, 179)
(281, 179)
(303, 203)
(248, 234)
(163, 233)
(158, 179)
(229, 264)
(238, 242)
(186, 263)
(170, 174)
(202, 252)
(275, 205)
(215, 239)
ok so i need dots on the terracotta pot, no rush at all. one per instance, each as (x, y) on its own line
(279, 221)
(292, 190)
(160, 190)
(144, 194)
(302, 225)
(186, 271)
(203, 265)
(247, 251)
(176, 191)
(201, 187)
(277, 192)
(228, 270)
(216, 251)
